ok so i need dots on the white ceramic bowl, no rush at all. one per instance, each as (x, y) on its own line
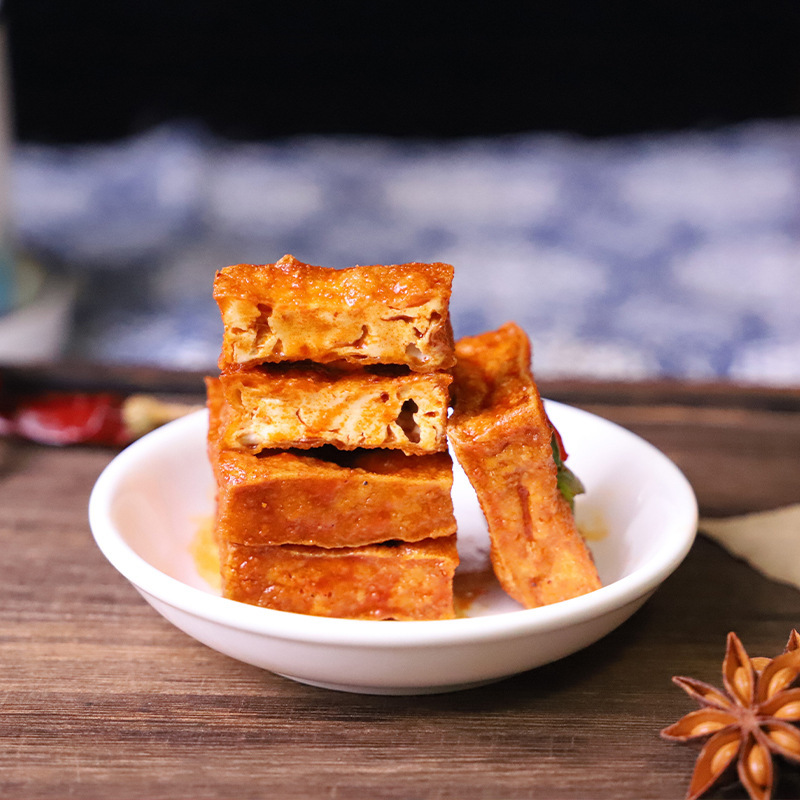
(640, 515)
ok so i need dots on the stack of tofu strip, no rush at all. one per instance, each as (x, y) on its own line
(328, 440)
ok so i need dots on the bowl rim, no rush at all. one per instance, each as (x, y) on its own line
(154, 584)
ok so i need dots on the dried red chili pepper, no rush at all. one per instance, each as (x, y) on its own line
(65, 418)
(62, 418)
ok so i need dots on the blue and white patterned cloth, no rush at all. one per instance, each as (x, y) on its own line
(674, 255)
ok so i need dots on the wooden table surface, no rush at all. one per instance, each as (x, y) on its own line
(100, 697)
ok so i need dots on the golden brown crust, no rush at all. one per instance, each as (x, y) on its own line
(502, 438)
(324, 497)
(394, 580)
(327, 438)
(217, 419)
(309, 406)
(291, 311)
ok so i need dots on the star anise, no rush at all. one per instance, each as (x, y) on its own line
(751, 719)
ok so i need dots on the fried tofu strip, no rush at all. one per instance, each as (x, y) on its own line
(395, 580)
(309, 406)
(291, 311)
(324, 497)
(502, 438)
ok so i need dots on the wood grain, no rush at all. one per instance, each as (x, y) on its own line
(102, 698)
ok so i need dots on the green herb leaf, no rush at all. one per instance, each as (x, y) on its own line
(568, 482)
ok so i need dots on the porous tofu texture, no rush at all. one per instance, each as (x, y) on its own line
(326, 497)
(279, 406)
(291, 311)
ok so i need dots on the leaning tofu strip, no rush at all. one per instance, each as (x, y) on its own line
(502, 438)
(291, 311)
(280, 406)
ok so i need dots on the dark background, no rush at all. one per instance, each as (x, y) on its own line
(93, 71)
